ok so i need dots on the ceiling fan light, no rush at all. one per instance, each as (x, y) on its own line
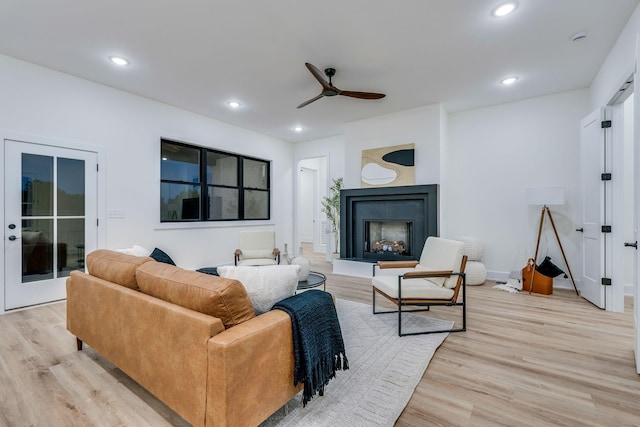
(504, 9)
(234, 104)
(508, 80)
(118, 60)
(298, 128)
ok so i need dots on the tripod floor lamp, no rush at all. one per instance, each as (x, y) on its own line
(545, 196)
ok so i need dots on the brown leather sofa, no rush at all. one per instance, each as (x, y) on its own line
(190, 339)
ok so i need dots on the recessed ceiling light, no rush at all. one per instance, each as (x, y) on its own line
(118, 60)
(508, 81)
(504, 9)
(298, 128)
(234, 104)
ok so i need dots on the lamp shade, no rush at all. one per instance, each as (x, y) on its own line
(545, 196)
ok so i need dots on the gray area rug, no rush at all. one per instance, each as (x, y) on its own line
(384, 370)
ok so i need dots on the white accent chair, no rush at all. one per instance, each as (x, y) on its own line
(435, 280)
(257, 248)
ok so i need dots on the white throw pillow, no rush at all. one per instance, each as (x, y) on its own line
(266, 285)
(135, 250)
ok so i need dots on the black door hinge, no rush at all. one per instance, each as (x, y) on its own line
(97, 223)
(606, 229)
(606, 281)
(605, 124)
(605, 177)
(97, 167)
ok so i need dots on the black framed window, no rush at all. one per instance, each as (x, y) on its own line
(201, 184)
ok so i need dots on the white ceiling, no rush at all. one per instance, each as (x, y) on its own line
(197, 54)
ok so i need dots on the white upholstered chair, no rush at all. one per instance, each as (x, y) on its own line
(435, 280)
(257, 248)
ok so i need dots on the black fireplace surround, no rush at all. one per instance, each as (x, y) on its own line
(409, 213)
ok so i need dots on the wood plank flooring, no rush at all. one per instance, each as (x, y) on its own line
(525, 360)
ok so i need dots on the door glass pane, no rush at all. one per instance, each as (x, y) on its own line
(37, 249)
(222, 169)
(179, 163)
(37, 185)
(223, 203)
(70, 245)
(256, 204)
(179, 201)
(70, 187)
(255, 174)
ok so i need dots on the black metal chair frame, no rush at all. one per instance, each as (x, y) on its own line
(426, 302)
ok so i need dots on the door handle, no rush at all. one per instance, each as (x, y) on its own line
(580, 229)
(632, 245)
(12, 237)
(12, 226)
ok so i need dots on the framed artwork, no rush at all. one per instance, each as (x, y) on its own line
(388, 166)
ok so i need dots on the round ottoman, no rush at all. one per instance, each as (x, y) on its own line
(476, 273)
(475, 270)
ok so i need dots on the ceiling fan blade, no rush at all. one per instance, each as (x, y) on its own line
(362, 95)
(311, 100)
(318, 75)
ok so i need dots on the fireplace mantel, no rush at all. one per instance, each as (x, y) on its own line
(413, 204)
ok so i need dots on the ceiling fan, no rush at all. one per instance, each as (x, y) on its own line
(328, 89)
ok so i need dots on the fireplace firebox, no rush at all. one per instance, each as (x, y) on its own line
(387, 223)
(388, 238)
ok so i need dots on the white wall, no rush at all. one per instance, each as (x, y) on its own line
(420, 126)
(619, 65)
(39, 101)
(495, 154)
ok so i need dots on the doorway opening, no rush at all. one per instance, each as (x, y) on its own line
(311, 228)
(624, 152)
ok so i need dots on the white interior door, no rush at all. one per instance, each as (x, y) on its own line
(593, 161)
(51, 219)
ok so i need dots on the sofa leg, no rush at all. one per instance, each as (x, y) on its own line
(79, 344)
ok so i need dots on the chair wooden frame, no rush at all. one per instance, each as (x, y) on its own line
(461, 284)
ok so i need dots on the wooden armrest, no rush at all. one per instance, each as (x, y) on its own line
(397, 264)
(425, 274)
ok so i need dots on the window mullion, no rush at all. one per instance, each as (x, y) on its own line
(204, 189)
(240, 188)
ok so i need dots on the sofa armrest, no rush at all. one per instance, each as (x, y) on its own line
(250, 371)
(160, 345)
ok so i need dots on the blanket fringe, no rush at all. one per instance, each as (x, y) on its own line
(321, 374)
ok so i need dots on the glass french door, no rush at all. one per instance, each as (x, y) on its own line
(51, 219)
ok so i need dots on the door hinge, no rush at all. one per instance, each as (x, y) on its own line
(606, 229)
(605, 177)
(605, 124)
(97, 222)
(606, 281)
(97, 167)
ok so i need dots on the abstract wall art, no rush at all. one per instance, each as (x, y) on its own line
(388, 166)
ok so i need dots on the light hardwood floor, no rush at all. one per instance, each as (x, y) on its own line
(525, 360)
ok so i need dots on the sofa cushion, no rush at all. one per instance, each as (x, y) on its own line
(115, 267)
(225, 299)
(266, 285)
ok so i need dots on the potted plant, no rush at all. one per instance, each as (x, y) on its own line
(331, 208)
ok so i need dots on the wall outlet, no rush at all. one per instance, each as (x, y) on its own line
(116, 213)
